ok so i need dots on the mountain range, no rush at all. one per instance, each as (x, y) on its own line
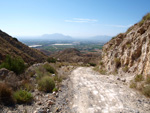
(61, 37)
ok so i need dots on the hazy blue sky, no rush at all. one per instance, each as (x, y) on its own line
(70, 17)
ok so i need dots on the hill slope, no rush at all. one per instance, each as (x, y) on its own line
(13, 47)
(73, 55)
(130, 51)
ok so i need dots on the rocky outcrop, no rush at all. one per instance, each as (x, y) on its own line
(129, 52)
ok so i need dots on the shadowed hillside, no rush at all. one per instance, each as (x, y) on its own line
(11, 46)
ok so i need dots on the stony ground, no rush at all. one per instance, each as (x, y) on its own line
(86, 91)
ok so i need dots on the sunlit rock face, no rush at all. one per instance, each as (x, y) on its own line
(129, 52)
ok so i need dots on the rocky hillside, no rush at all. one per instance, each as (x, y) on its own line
(11, 46)
(73, 55)
(129, 52)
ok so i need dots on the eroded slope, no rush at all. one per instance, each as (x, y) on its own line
(130, 51)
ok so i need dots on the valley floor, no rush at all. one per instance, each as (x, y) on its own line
(86, 91)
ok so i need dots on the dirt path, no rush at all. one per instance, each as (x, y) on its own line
(90, 92)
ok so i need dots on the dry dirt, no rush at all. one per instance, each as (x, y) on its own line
(86, 91)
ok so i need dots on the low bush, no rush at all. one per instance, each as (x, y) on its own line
(49, 68)
(40, 72)
(148, 80)
(31, 73)
(138, 78)
(23, 97)
(26, 85)
(46, 84)
(57, 78)
(133, 84)
(96, 68)
(55, 89)
(146, 17)
(92, 64)
(5, 94)
(102, 71)
(51, 60)
(146, 90)
(128, 45)
(141, 23)
(125, 69)
(15, 39)
(115, 72)
(101, 63)
(14, 64)
(130, 29)
(114, 37)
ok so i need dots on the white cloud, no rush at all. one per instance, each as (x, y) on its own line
(81, 20)
(120, 26)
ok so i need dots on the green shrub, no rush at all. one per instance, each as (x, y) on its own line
(15, 39)
(133, 84)
(23, 97)
(51, 60)
(102, 71)
(146, 90)
(116, 60)
(101, 63)
(5, 94)
(96, 68)
(115, 72)
(49, 68)
(138, 78)
(128, 45)
(26, 85)
(148, 80)
(146, 17)
(125, 69)
(129, 29)
(141, 23)
(40, 73)
(57, 78)
(55, 89)
(114, 37)
(31, 73)
(46, 84)
(92, 64)
(14, 64)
